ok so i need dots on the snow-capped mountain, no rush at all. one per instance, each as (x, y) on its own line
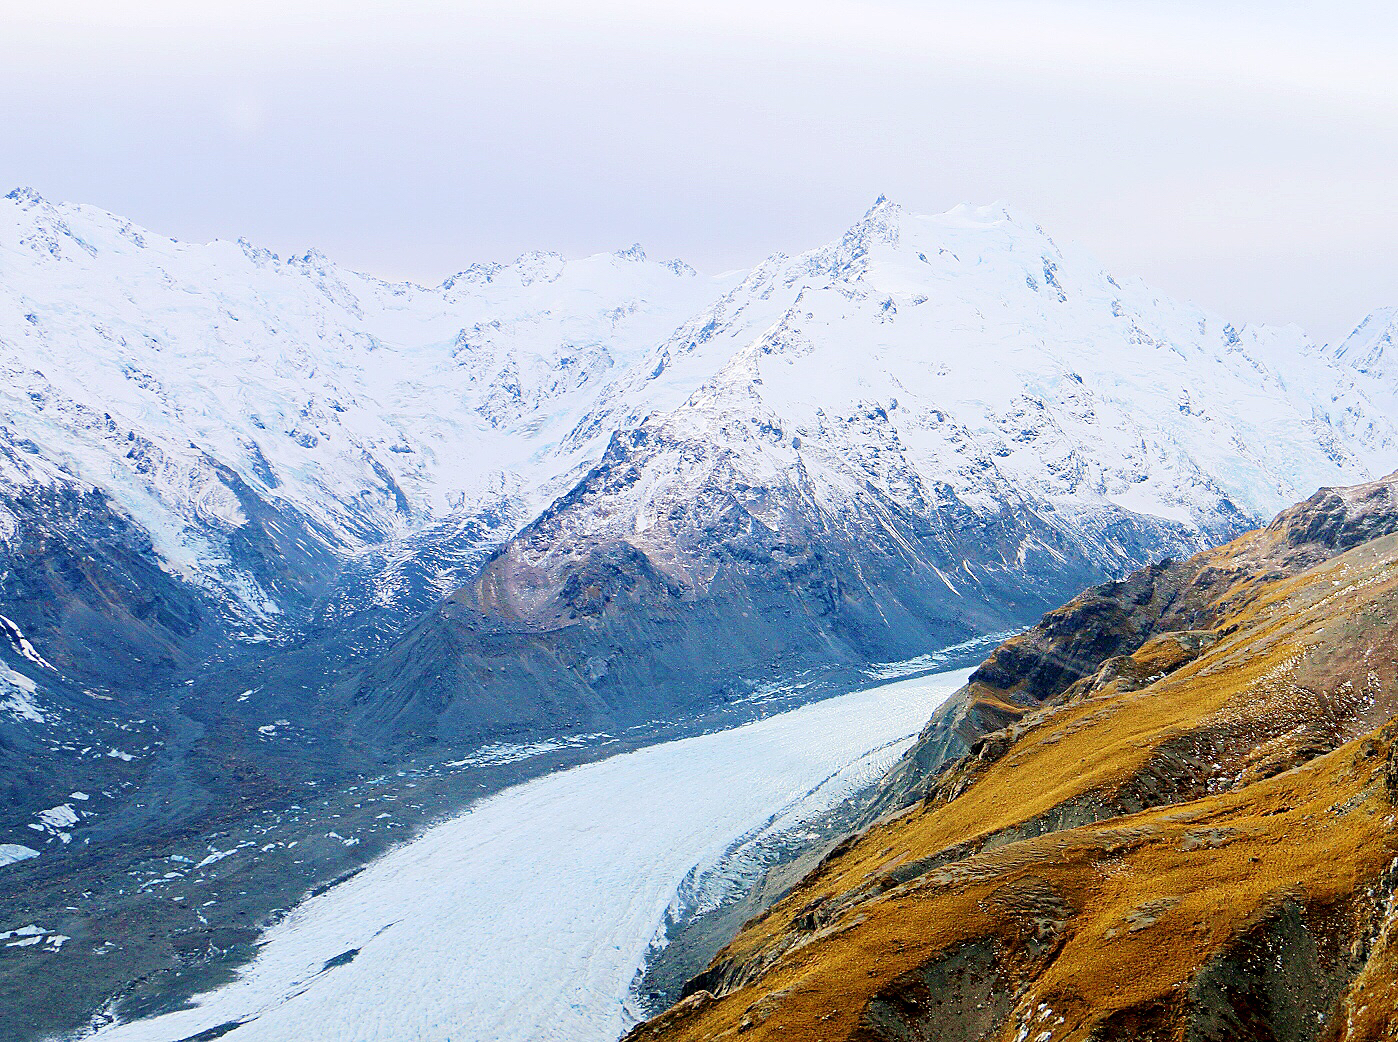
(1368, 348)
(1366, 399)
(261, 423)
(936, 427)
(999, 357)
(933, 427)
(181, 378)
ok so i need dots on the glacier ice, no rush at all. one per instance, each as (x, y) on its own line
(527, 917)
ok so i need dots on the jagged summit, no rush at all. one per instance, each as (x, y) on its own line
(25, 195)
(1369, 348)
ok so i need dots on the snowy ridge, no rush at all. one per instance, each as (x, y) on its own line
(166, 374)
(926, 376)
(1369, 360)
(1368, 347)
(264, 419)
(968, 350)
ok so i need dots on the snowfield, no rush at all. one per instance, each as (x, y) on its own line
(528, 917)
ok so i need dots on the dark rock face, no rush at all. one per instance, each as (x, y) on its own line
(963, 996)
(583, 621)
(1338, 519)
(1072, 642)
(82, 581)
(284, 552)
(1281, 981)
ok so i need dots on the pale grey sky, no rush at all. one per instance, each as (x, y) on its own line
(1238, 154)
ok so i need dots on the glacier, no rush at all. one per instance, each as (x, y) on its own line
(528, 917)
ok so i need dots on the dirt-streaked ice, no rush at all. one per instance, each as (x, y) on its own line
(527, 917)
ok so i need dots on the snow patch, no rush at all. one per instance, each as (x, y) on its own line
(17, 696)
(21, 644)
(62, 816)
(12, 852)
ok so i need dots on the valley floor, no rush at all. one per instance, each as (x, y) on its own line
(530, 916)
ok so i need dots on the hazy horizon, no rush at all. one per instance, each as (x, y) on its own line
(1234, 155)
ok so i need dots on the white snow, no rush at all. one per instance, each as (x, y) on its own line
(964, 353)
(12, 852)
(59, 817)
(527, 918)
(29, 936)
(17, 696)
(513, 752)
(216, 856)
(22, 645)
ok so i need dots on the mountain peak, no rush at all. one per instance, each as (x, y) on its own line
(1366, 348)
(883, 207)
(880, 223)
(539, 266)
(26, 195)
(314, 255)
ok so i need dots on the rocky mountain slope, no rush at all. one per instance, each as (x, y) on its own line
(1174, 819)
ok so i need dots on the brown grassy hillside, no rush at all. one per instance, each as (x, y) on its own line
(1184, 827)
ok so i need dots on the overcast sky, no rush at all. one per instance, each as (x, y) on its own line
(1238, 154)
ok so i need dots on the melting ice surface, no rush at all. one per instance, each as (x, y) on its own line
(527, 917)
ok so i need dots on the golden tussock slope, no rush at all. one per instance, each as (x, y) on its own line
(1183, 827)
